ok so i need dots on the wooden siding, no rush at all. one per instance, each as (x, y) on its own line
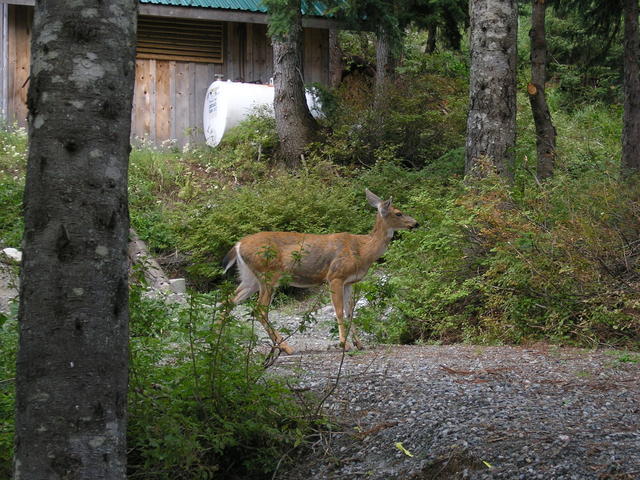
(4, 74)
(20, 19)
(162, 38)
(169, 95)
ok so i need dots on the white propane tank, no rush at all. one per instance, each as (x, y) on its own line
(226, 104)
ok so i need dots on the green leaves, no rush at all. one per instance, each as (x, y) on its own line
(282, 16)
(200, 401)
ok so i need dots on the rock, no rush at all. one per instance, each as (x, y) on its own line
(12, 255)
(178, 285)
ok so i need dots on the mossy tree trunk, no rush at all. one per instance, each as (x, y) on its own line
(545, 131)
(71, 380)
(491, 123)
(631, 124)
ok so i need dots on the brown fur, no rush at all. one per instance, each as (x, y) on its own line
(266, 259)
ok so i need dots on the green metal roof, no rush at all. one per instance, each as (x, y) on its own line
(312, 7)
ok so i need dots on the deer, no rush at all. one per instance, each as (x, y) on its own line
(267, 259)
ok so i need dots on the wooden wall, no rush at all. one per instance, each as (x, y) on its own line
(4, 21)
(17, 49)
(169, 95)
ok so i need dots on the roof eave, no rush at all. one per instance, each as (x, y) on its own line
(199, 13)
(241, 16)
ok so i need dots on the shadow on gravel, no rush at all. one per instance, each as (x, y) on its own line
(457, 464)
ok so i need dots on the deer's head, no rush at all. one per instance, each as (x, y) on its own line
(393, 218)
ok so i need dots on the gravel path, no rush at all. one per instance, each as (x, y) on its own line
(454, 412)
(8, 286)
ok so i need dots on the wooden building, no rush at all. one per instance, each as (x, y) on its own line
(181, 50)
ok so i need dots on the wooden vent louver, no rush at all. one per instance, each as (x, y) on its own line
(185, 40)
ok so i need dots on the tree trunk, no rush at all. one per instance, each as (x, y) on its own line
(631, 124)
(545, 131)
(491, 124)
(335, 59)
(385, 63)
(432, 33)
(295, 125)
(71, 379)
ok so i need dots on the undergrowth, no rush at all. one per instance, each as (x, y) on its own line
(12, 170)
(8, 351)
(201, 403)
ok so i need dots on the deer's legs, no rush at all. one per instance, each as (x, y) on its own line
(264, 300)
(348, 313)
(243, 292)
(337, 298)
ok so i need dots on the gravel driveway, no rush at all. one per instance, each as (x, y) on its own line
(453, 412)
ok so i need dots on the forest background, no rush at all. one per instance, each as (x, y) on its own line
(497, 261)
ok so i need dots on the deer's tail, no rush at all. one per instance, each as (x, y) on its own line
(230, 258)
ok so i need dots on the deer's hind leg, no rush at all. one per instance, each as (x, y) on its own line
(264, 300)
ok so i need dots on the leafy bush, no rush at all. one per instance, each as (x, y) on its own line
(12, 168)
(422, 118)
(586, 62)
(156, 179)
(201, 404)
(560, 264)
(246, 152)
(8, 350)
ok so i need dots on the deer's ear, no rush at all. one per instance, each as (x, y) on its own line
(372, 198)
(383, 208)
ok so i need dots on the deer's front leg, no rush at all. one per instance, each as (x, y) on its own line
(264, 300)
(348, 313)
(337, 298)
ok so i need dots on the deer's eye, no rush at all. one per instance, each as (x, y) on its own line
(398, 214)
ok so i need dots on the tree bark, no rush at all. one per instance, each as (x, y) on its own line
(385, 63)
(432, 33)
(631, 123)
(335, 59)
(294, 123)
(491, 123)
(545, 131)
(71, 379)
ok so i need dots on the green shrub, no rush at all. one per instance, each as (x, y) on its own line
(200, 401)
(422, 118)
(201, 404)
(8, 350)
(246, 152)
(156, 179)
(12, 167)
(560, 264)
(11, 223)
